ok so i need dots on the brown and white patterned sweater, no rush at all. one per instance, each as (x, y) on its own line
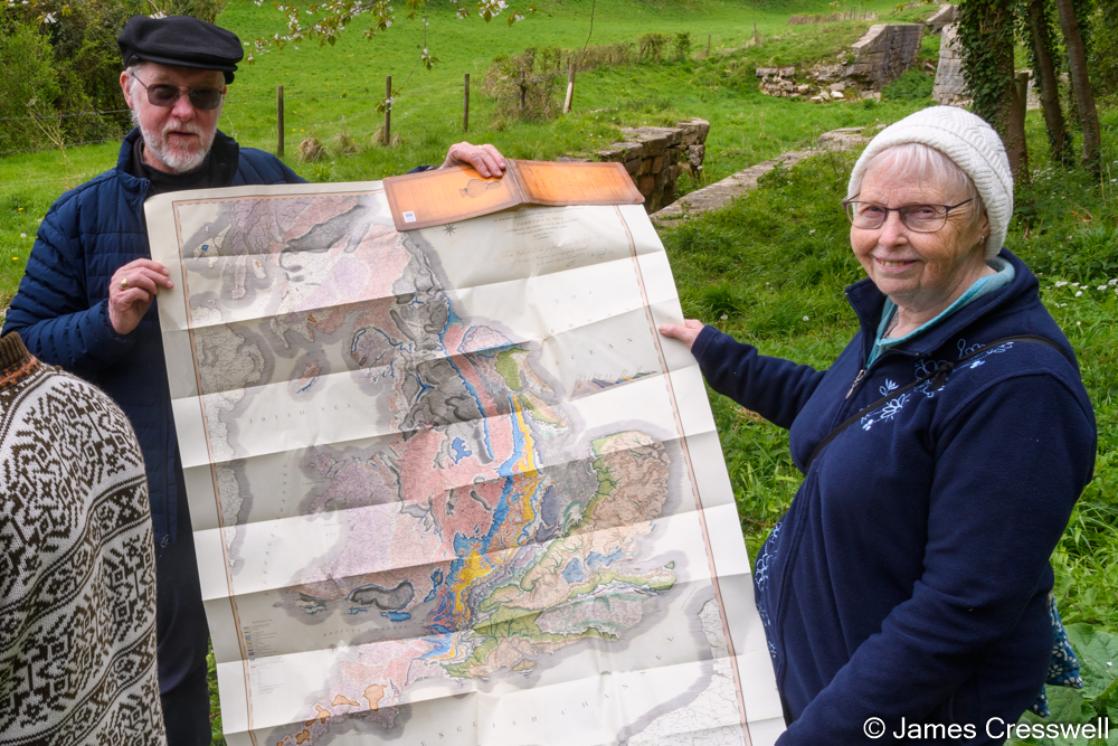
(77, 571)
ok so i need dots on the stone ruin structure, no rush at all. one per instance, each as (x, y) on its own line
(950, 86)
(655, 156)
(781, 81)
(884, 52)
(946, 15)
(879, 57)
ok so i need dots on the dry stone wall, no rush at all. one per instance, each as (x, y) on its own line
(950, 86)
(655, 157)
(884, 52)
(946, 14)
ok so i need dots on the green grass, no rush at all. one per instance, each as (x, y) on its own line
(770, 268)
(331, 90)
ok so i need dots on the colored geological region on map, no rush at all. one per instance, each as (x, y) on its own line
(441, 487)
(541, 526)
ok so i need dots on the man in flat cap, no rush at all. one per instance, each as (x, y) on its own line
(86, 298)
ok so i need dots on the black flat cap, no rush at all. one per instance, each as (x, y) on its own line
(180, 41)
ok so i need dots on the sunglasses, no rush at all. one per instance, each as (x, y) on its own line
(165, 95)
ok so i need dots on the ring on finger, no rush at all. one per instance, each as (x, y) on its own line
(123, 283)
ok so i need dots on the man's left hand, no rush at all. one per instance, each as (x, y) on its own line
(485, 159)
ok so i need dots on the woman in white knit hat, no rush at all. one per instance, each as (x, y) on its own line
(905, 593)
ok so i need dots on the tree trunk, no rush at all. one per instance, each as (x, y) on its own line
(1081, 87)
(986, 39)
(1106, 48)
(1047, 83)
(1015, 129)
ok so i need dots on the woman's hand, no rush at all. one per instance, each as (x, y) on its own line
(686, 332)
(485, 159)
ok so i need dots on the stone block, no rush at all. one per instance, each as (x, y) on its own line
(950, 86)
(945, 15)
(644, 135)
(884, 52)
(695, 127)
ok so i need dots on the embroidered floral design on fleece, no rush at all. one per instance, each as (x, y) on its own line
(934, 376)
(887, 412)
(761, 580)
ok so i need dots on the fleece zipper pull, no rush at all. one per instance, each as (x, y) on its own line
(854, 384)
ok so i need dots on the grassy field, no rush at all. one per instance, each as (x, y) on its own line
(333, 90)
(770, 268)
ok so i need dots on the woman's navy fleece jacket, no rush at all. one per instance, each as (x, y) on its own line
(909, 578)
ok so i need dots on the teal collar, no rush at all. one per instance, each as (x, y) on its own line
(1003, 275)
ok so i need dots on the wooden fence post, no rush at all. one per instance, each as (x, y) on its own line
(279, 121)
(570, 88)
(387, 110)
(708, 45)
(466, 103)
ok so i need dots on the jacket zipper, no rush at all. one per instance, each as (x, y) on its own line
(854, 384)
(937, 379)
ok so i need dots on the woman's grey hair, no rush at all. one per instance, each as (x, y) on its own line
(925, 165)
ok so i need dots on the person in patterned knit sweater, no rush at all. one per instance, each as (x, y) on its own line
(77, 565)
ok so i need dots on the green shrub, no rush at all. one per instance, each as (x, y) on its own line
(913, 85)
(682, 46)
(68, 56)
(524, 85)
(606, 55)
(652, 47)
(1104, 50)
(28, 90)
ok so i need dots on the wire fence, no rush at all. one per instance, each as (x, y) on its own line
(63, 115)
(380, 106)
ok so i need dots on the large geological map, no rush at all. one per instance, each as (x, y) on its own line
(449, 486)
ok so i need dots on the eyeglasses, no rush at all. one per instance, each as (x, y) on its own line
(165, 95)
(917, 218)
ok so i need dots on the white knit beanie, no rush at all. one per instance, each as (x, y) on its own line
(970, 143)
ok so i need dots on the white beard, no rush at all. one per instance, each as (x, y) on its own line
(178, 161)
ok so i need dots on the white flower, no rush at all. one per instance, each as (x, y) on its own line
(807, 318)
(1078, 293)
(1061, 283)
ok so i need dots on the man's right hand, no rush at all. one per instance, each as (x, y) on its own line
(132, 288)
